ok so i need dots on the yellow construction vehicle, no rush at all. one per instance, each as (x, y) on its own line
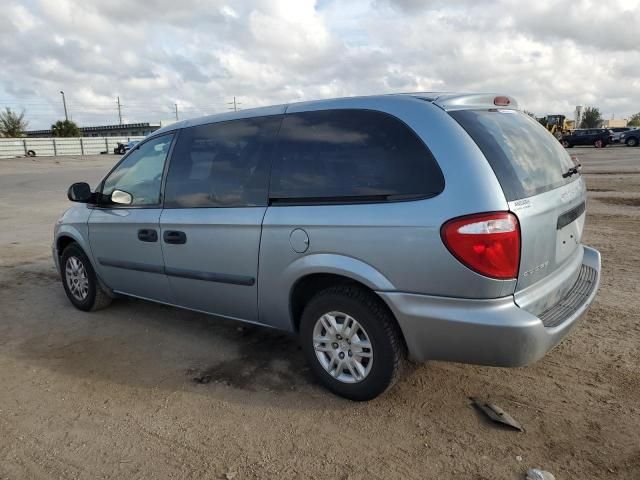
(558, 125)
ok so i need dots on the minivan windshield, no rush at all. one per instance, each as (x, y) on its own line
(525, 157)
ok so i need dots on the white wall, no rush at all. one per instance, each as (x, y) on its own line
(18, 147)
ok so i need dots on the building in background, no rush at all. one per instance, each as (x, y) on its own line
(578, 116)
(615, 122)
(124, 130)
(164, 123)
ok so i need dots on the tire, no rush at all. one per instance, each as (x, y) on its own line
(31, 153)
(598, 143)
(632, 142)
(94, 297)
(387, 352)
(566, 144)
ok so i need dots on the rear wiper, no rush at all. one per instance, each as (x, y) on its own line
(572, 171)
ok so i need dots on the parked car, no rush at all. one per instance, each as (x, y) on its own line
(616, 132)
(123, 148)
(372, 227)
(631, 138)
(598, 137)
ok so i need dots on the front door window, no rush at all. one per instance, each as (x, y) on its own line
(140, 174)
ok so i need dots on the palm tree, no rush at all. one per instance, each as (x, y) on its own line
(65, 128)
(12, 125)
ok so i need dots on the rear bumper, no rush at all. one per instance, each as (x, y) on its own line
(488, 332)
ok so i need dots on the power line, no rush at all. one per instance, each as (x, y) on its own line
(42, 111)
(235, 105)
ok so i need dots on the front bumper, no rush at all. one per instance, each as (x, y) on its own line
(486, 332)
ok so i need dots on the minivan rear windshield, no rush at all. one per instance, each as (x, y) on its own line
(525, 157)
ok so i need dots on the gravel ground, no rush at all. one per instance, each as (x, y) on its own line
(112, 394)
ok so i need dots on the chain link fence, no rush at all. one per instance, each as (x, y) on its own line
(42, 147)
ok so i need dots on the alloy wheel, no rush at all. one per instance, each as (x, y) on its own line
(342, 347)
(77, 279)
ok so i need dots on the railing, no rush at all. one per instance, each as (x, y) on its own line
(41, 147)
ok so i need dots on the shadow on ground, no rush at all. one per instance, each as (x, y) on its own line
(133, 342)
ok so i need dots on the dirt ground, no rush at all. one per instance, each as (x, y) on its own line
(112, 394)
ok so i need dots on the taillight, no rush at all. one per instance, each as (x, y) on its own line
(488, 243)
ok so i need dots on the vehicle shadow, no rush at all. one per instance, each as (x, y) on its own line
(142, 344)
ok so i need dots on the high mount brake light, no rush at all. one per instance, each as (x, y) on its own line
(502, 101)
(488, 243)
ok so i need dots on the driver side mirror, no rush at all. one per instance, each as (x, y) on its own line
(121, 198)
(79, 192)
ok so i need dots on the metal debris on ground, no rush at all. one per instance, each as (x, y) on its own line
(496, 414)
(536, 474)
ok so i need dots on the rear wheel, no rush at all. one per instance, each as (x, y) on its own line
(566, 144)
(632, 142)
(80, 281)
(598, 143)
(352, 343)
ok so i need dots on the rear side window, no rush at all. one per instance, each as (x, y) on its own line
(351, 155)
(525, 157)
(222, 164)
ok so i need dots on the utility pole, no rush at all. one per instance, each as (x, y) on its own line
(176, 105)
(119, 109)
(64, 104)
(235, 105)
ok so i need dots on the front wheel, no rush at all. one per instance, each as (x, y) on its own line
(352, 342)
(80, 281)
(566, 144)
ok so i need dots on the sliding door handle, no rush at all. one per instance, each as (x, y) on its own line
(174, 236)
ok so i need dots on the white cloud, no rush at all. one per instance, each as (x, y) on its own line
(22, 18)
(200, 53)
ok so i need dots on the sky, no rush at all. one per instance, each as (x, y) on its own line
(199, 54)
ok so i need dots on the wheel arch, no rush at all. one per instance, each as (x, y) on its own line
(330, 270)
(67, 235)
(63, 242)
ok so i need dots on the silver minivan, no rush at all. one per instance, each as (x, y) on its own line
(421, 226)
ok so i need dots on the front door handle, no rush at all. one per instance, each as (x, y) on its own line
(174, 236)
(147, 235)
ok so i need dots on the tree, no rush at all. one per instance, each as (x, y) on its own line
(591, 118)
(634, 121)
(12, 125)
(65, 128)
